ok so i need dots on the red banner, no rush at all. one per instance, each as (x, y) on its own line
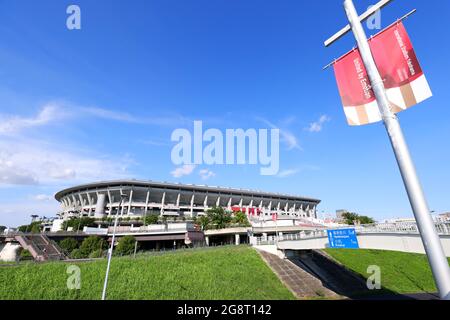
(397, 63)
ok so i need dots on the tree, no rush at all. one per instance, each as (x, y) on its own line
(91, 244)
(68, 244)
(366, 220)
(78, 223)
(34, 227)
(151, 219)
(126, 245)
(219, 217)
(203, 222)
(2, 228)
(240, 218)
(351, 218)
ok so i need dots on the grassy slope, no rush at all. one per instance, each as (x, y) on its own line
(222, 273)
(400, 272)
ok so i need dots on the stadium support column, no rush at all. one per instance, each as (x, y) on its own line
(163, 200)
(110, 202)
(147, 198)
(192, 205)
(218, 201)
(237, 239)
(100, 206)
(178, 200)
(129, 202)
(89, 202)
(205, 203)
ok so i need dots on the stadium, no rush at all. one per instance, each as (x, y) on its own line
(103, 199)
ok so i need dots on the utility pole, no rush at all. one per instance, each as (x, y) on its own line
(110, 251)
(430, 238)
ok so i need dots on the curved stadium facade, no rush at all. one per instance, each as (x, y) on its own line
(102, 199)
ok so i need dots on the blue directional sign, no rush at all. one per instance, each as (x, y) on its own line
(343, 239)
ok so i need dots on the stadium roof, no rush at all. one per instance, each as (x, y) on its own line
(180, 187)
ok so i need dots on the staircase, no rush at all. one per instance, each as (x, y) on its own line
(40, 247)
(301, 283)
(336, 277)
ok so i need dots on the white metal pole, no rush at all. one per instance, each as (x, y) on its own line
(431, 242)
(110, 251)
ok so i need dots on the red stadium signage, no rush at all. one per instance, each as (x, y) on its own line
(399, 67)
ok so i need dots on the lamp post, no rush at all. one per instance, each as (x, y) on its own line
(110, 251)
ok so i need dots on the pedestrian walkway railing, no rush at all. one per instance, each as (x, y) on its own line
(443, 228)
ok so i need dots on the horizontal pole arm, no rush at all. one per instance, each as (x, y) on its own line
(362, 18)
(398, 20)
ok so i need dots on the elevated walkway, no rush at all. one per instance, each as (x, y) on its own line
(392, 237)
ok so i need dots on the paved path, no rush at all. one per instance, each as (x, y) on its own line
(300, 282)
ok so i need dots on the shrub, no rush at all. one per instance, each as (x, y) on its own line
(126, 245)
(240, 218)
(151, 219)
(68, 244)
(34, 227)
(91, 244)
(25, 254)
(203, 222)
(76, 254)
(96, 254)
(219, 217)
(79, 223)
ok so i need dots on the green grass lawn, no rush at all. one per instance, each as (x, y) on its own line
(400, 272)
(219, 273)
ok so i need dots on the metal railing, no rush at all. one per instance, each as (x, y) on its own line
(443, 228)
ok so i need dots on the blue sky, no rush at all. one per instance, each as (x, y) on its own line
(101, 102)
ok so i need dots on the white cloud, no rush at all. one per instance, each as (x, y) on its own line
(42, 197)
(31, 162)
(185, 170)
(11, 124)
(205, 174)
(287, 137)
(317, 126)
(292, 172)
(287, 173)
(13, 214)
(126, 117)
(11, 174)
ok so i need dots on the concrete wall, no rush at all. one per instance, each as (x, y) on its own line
(379, 241)
(9, 252)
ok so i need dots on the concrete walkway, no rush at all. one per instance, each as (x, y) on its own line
(302, 284)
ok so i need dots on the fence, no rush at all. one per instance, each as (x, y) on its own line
(443, 228)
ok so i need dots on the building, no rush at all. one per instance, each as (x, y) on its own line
(102, 199)
(444, 216)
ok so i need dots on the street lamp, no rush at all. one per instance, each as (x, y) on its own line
(110, 251)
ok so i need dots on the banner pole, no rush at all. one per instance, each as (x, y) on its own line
(430, 238)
